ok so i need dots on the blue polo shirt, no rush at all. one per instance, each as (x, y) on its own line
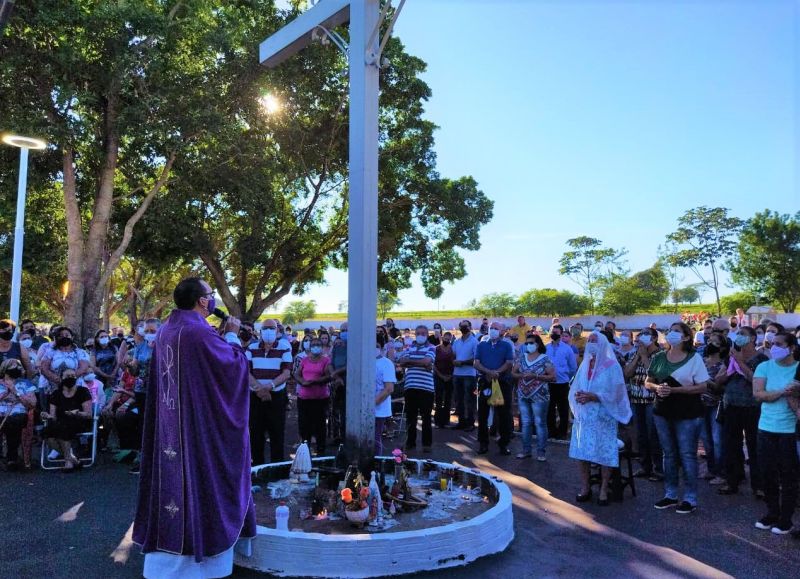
(492, 355)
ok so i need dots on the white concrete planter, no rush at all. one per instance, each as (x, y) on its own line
(298, 554)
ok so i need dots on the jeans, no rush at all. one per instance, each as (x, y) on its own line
(711, 435)
(679, 442)
(418, 402)
(559, 405)
(779, 467)
(379, 435)
(651, 458)
(311, 414)
(531, 411)
(444, 397)
(741, 420)
(464, 390)
(502, 414)
(267, 416)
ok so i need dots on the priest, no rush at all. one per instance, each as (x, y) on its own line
(195, 504)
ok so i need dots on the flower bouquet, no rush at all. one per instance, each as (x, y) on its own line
(354, 498)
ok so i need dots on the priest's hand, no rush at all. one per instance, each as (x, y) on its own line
(232, 325)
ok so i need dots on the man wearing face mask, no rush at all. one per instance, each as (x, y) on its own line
(194, 498)
(271, 366)
(339, 381)
(465, 376)
(493, 359)
(563, 358)
(11, 350)
(418, 362)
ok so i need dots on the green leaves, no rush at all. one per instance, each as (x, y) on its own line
(767, 258)
(299, 311)
(591, 265)
(640, 292)
(551, 302)
(705, 238)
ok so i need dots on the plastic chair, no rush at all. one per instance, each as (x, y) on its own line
(59, 463)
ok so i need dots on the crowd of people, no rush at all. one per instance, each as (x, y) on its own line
(726, 387)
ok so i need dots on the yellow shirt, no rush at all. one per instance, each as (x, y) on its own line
(520, 331)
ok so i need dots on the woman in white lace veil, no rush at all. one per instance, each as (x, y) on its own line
(599, 401)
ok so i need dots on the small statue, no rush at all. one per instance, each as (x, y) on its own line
(375, 501)
(301, 465)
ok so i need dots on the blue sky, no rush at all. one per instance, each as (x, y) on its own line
(606, 119)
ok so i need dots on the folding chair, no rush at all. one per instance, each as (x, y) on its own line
(83, 437)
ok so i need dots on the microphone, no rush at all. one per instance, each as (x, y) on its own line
(218, 313)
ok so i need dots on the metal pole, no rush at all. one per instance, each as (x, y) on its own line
(363, 231)
(19, 234)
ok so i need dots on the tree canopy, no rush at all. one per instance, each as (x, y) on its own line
(590, 265)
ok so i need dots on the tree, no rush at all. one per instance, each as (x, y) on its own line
(705, 238)
(122, 90)
(590, 265)
(671, 270)
(495, 304)
(551, 302)
(298, 311)
(640, 292)
(686, 295)
(741, 299)
(386, 302)
(767, 258)
(276, 223)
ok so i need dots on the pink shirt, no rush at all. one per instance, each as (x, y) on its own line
(312, 370)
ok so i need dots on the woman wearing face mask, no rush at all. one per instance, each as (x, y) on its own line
(103, 360)
(385, 380)
(534, 372)
(717, 357)
(627, 349)
(12, 350)
(142, 354)
(772, 329)
(70, 414)
(678, 377)
(64, 354)
(313, 394)
(17, 401)
(443, 380)
(635, 372)
(760, 331)
(773, 384)
(599, 402)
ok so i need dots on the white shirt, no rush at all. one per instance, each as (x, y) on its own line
(384, 372)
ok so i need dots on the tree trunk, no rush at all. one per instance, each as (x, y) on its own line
(73, 307)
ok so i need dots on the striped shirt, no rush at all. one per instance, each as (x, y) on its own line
(419, 378)
(266, 365)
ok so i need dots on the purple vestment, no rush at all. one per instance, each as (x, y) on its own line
(194, 487)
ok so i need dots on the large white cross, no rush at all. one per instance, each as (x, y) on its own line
(364, 62)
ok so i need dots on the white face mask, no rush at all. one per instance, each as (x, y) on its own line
(778, 352)
(674, 338)
(269, 335)
(422, 339)
(759, 339)
(494, 333)
(530, 348)
(624, 340)
(769, 337)
(140, 331)
(103, 342)
(591, 348)
(645, 339)
(306, 344)
(27, 343)
(150, 338)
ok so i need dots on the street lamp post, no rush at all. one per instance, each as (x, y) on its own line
(24, 144)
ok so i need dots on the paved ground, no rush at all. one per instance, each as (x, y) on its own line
(58, 525)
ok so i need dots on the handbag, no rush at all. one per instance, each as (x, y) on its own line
(496, 397)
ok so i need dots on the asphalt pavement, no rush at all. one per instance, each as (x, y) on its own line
(55, 525)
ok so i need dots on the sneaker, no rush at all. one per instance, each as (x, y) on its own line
(685, 508)
(541, 457)
(766, 523)
(666, 503)
(524, 455)
(782, 529)
(717, 480)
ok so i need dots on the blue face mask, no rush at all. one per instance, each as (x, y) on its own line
(343, 336)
